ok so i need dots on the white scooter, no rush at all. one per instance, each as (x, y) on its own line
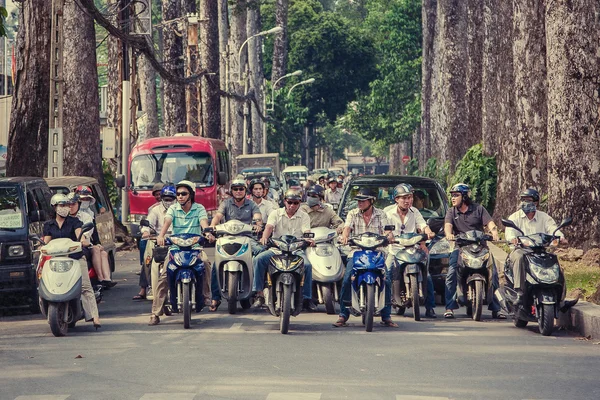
(60, 283)
(233, 260)
(327, 267)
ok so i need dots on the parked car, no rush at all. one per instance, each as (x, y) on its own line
(24, 207)
(102, 209)
(434, 203)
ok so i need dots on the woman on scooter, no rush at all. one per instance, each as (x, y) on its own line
(65, 226)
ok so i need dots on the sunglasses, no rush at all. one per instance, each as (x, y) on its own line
(238, 190)
(455, 195)
(182, 194)
(293, 203)
(402, 228)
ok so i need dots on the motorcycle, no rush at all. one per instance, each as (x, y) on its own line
(409, 274)
(544, 281)
(327, 268)
(285, 278)
(60, 282)
(475, 267)
(233, 260)
(368, 276)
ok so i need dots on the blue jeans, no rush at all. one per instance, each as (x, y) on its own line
(430, 300)
(143, 281)
(214, 282)
(261, 264)
(346, 292)
(452, 281)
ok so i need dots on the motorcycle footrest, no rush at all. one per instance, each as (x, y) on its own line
(354, 312)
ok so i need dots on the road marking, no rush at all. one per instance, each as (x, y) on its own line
(294, 396)
(411, 397)
(237, 325)
(170, 396)
(44, 397)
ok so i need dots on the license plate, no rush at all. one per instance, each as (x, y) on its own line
(17, 274)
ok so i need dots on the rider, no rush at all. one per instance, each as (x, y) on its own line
(266, 206)
(407, 219)
(288, 220)
(65, 226)
(319, 214)
(365, 218)
(186, 216)
(156, 217)
(464, 216)
(270, 193)
(333, 195)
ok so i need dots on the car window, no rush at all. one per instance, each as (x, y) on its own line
(42, 197)
(100, 201)
(60, 189)
(11, 215)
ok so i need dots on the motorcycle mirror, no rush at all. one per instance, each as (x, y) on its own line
(87, 227)
(308, 235)
(565, 222)
(36, 239)
(145, 222)
(210, 229)
(509, 224)
(389, 227)
(120, 181)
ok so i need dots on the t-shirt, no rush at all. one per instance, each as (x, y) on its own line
(67, 230)
(295, 225)
(475, 218)
(189, 222)
(243, 213)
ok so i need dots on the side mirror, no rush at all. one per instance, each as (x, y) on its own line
(222, 178)
(144, 222)
(35, 216)
(87, 227)
(389, 227)
(564, 222)
(36, 239)
(509, 224)
(120, 181)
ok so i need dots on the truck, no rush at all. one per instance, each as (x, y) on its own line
(270, 160)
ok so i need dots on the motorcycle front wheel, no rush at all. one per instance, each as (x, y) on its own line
(414, 288)
(286, 307)
(370, 311)
(328, 298)
(187, 305)
(477, 299)
(232, 291)
(56, 318)
(546, 318)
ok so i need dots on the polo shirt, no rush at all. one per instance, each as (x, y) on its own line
(295, 225)
(376, 224)
(189, 222)
(67, 230)
(475, 218)
(323, 216)
(333, 197)
(540, 223)
(242, 213)
(412, 221)
(266, 207)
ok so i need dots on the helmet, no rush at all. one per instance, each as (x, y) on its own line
(83, 190)
(332, 179)
(265, 180)
(365, 193)
(256, 182)
(158, 187)
(403, 189)
(238, 183)
(59, 199)
(340, 180)
(292, 194)
(189, 186)
(530, 192)
(73, 197)
(168, 191)
(463, 189)
(316, 191)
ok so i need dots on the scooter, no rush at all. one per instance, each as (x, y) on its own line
(544, 281)
(233, 260)
(475, 269)
(285, 278)
(60, 282)
(327, 268)
(409, 274)
(368, 276)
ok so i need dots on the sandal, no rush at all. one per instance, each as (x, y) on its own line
(139, 297)
(449, 314)
(389, 323)
(340, 322)
(498, 315)
(214, 306)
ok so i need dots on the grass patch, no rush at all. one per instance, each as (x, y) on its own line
(581, 276)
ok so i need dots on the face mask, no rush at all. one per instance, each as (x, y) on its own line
(63, 211)
(167, 203)
(528, 207)
(312, 201)
(85, 205)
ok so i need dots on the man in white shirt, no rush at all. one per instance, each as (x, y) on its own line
(266, 207)
(530, 220)
(333, 195)
(288, 220)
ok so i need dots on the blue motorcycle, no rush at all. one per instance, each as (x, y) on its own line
(368, 276)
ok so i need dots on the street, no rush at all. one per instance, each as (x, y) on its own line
(245, 357)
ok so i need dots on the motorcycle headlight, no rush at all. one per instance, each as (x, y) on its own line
(61, 265)
(181, 242)
(325, 251)
(474, 262)
(545, 275)
(178, 258)
(295, 246)
(441, 247)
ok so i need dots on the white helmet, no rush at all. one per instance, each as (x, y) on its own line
(59, 199)
(190, 186)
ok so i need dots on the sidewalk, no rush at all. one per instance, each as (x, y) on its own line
(583, 318)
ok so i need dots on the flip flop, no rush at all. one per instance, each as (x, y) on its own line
(389, 323)
(139, 297)
(449, 315)
(341, 322)
(214, 307)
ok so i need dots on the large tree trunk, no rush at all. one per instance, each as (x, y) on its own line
(423, 146)
(238, 37)
(148, 96)
(474, 72)
(174, 117)
(28, 132)
(81, 116)
(281, 42)
(224, 67)
(209, 53)
(192, 90)
(529, 49)
(573, 34)
(256, 76)
(498, 102)
(114, 78)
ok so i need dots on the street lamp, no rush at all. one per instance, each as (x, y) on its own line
(277, 29)
(306, 82)
(295, 73)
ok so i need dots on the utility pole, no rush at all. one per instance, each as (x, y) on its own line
(55, 131)
(125, 111)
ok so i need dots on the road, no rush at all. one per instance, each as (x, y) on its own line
(245, 357)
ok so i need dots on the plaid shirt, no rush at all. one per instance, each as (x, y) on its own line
(376, 224)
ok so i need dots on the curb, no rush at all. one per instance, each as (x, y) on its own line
(583, 318)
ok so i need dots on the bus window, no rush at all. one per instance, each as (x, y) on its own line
(148, 169)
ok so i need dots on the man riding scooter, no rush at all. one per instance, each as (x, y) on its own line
(319, 214)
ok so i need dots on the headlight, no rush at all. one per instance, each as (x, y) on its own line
(474, 262)
(178, 258)
(325, 251)
(441, 247)
(184, 242)
(16, 251)
(61, 265)
(545, 275)
(525, 241)
(295, 246)
(234, 228)
(369, 242)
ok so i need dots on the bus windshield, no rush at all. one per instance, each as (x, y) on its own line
(148, 169)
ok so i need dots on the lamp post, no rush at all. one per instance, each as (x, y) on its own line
(277, 29)
(295, 73)
(306, 82)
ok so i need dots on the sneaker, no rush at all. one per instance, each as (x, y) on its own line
(258, 302)
(308, 305)
(430, 313)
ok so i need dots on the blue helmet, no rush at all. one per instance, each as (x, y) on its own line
(168, 191)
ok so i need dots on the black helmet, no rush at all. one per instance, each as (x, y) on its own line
(292, 194)
(365, 193)
(464, 190)
(530, 192)
(316, 190)
(256, 182)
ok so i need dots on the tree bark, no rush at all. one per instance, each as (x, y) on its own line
(81, 116)
(28, 131)
(148, 96)
(572, 37)
(224, 64)
(256, 76)
(174, 117)
(429, 15)
(238, 37)
(281, 42)
(192, 90)
(209, 59)
(474, 72)
(114, 79)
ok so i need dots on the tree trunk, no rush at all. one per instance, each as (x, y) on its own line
(81, 116)
(572, 37)
(174, 117)
(209, 53)
(148, 96)
(474, 72)
(529, 49)
(429, 15)
(281, 42)
(114, 79)
(192, 90)
(224, 65)
(256, 76)
(28, 132)
(238, 37)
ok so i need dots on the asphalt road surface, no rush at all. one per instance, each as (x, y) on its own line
(245, 357)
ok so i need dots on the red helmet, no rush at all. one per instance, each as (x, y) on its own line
(83, 190)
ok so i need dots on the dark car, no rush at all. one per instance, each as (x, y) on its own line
(431, 200)
(24, 207)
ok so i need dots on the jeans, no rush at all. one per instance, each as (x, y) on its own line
(346, 292)
(261, 264)
(430, 300)
(143, 281)
(452, 281)
(215, 288)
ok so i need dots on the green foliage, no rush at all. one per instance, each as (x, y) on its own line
(3, 15)
(109, 179)
(479, 172)
(432, 170)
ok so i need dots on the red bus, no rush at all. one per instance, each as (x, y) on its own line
(206, 162)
